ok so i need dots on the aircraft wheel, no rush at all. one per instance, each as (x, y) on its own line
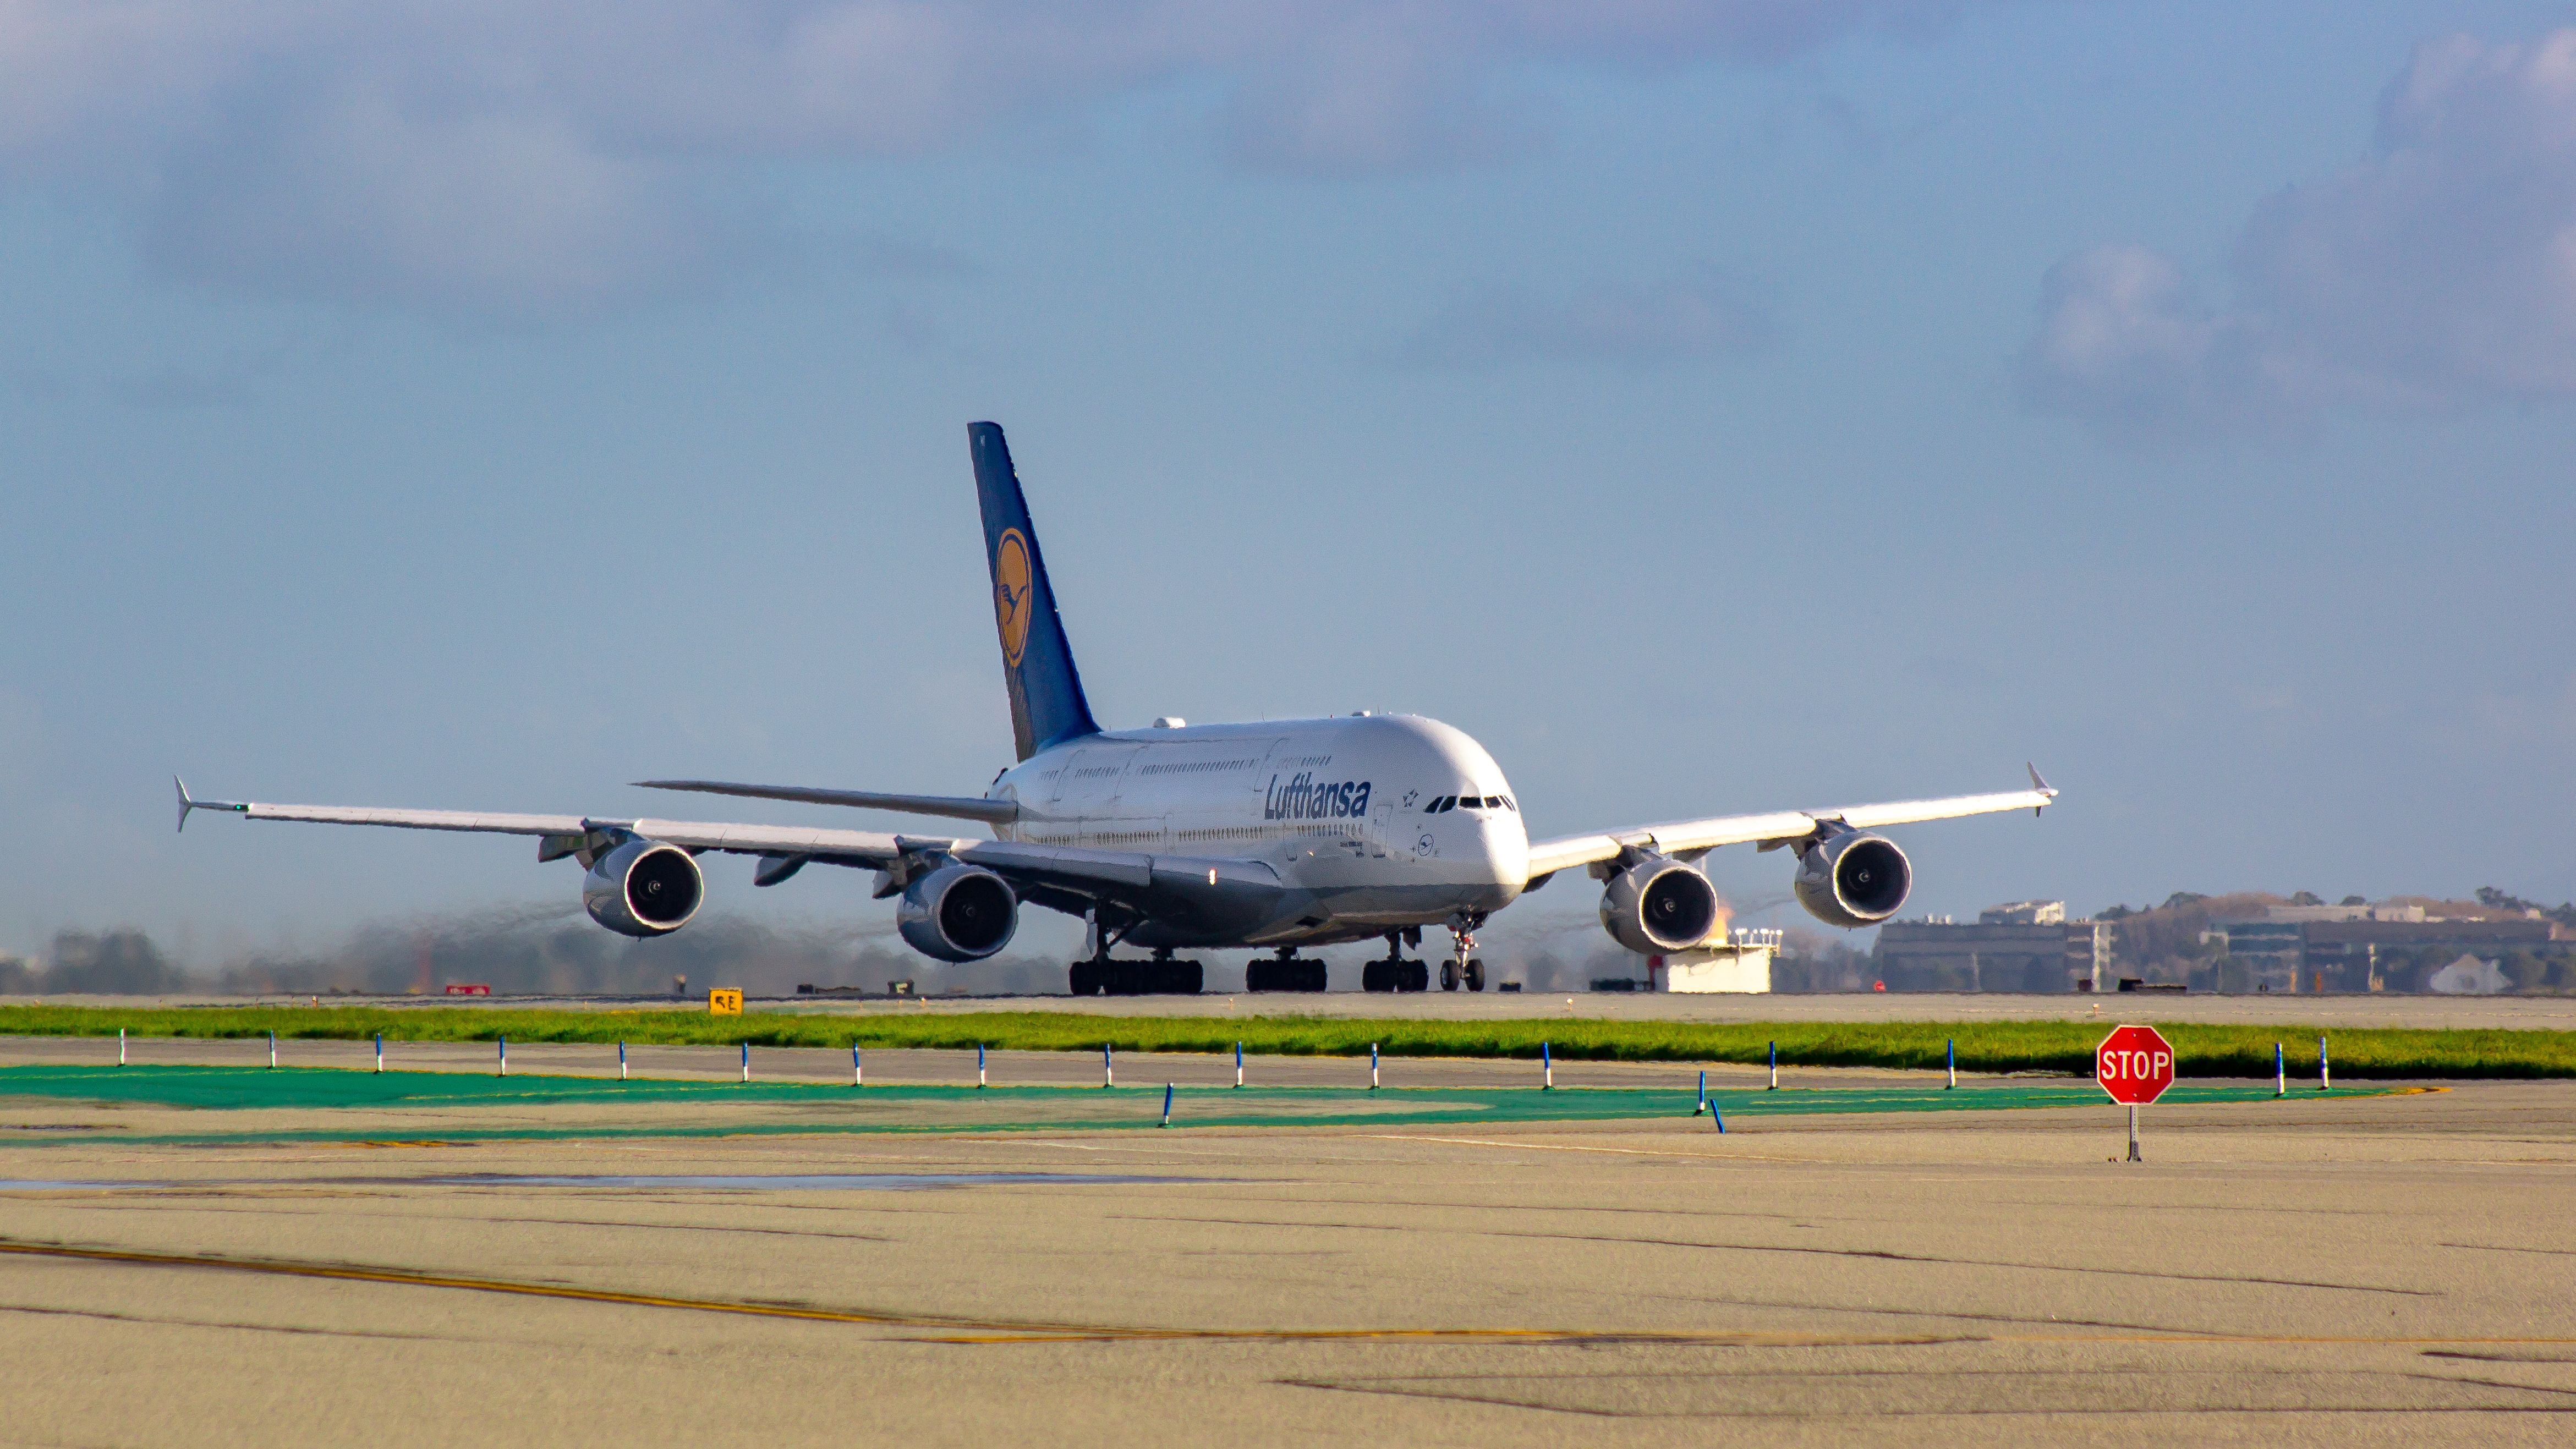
(1448, 975)
(1373, 977)
(1084, 979)
(1314, 975)
(1475, 975)
(1417, 976)
(1256, 977)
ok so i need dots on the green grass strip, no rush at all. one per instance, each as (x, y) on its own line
(2202, 1050)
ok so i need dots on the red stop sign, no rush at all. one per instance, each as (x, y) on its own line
(2134, 1064)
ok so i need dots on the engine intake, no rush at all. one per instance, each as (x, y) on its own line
(643, 889)
(1659, 905)
(1853, 880)
(959, 913)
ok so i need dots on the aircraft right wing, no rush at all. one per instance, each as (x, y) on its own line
(1784, 827)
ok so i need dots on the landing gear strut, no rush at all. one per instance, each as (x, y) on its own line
(1395, 973)
(1461, 966)
(1161, 976)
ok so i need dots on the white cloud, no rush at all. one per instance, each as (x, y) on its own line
(514, 158)
(2439, 271)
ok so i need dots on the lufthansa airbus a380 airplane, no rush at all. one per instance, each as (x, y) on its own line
(1188, 837)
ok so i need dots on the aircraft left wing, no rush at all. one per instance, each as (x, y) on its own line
(1786, 827)
(1063, 877)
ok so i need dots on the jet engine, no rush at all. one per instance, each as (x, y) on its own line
(1659, 905)
(1853, 879)
(958, 913)
(643, 889)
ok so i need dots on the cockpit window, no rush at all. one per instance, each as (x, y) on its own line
(1443, 803)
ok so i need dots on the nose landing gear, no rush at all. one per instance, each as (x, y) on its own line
(1462, 966)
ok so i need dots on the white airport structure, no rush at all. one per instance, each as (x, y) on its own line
(1740, 964)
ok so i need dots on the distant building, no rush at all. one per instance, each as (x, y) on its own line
(2041, 951)
(2024, 913)
(2270, 953)
(2341, 913)
(2350, 952)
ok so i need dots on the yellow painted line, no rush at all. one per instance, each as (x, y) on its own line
(972, 1332)
(406, 1278)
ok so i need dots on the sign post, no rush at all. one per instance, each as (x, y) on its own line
(2134, 1064)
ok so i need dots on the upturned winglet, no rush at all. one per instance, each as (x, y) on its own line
(188, 803)
(2036, 783)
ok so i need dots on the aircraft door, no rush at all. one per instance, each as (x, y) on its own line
(1064, 774)
(1377, 823)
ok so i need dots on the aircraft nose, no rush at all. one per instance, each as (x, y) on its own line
(1506, 850)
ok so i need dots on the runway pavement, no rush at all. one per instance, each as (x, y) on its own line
(2380, 1269)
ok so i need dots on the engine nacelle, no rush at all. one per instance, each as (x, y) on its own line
(959, 913)
(1659, 905)
(1853, 880)
(643, 889)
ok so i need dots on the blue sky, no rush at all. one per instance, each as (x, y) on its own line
(1711, 408)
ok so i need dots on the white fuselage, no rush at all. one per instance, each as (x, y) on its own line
(1342, 809)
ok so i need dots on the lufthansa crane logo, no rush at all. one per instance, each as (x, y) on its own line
(1012, 594)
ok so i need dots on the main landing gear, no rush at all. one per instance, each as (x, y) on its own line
(1161, 976)
(1395, 973)
(1286, 971)
(1461, 966)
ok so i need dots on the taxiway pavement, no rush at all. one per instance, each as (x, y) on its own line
(2388, 1269)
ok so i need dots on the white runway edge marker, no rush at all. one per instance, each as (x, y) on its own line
(1546, 1068)
(503, 1043)
(1238, 1064)
(120, 1046)
(272, 1050)
(2280, 1072)
(380, 1051)
(858, 1073)
(1372, 1066)
(1108, 1069)
(1167, 1104)
(746, 1061)
(2324, 1077)
(1951, 1046)
(1775, 1066)
(979, 1066)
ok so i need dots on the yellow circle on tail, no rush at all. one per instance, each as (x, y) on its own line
(1012, 594)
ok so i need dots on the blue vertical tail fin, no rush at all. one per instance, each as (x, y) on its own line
(1047, 706)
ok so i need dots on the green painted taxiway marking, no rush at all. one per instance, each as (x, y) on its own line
(808, 1108)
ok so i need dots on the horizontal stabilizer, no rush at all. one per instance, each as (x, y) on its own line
(952, 807)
